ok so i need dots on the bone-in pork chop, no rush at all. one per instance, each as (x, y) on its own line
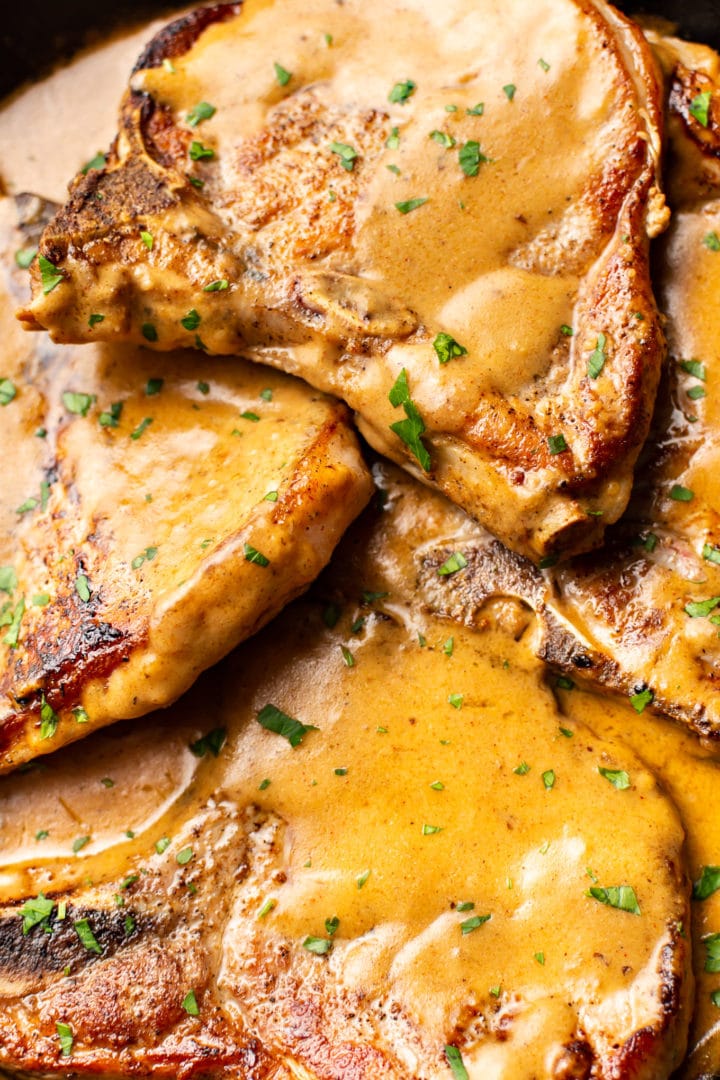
(403, 862)
(438, 212)
(150, 521)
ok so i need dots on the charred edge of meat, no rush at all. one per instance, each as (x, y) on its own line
(686, 84)
(179, 36)
(38, 952)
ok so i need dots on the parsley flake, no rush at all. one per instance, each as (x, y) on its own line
(347, 154)
(25, 256)
(317, 945)
(252, 555)
(65, 1038)
(88, 939)
(281, 74)
(471, 158)
(216, 286)
(700, 108)
(557, 444)
(82, 587)
(455, 562)
(477, 110)
(35, 912)
(275, 720)
(597, 358)
(48, 719)
(621, 897)
(509, 91)
(7, 391)
(443, 139)
(701, 609)
(198, 152)
(402, 91)
(548, 779)
(707, 884)
(617, 777)
(97, 162)
(78, 404)
(411, 429)
(641, 698)
(455, 1061)
(141, 428)
(712, 241)
(473, 923)
(681, 494)
(213, 742)
(410, 204)
(447, 348)
(202, 111)
(190, 1005)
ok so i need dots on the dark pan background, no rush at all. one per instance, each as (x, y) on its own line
(36, 33)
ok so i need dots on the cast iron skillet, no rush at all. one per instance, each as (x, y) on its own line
(36, 33)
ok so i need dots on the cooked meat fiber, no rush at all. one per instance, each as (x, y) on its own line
(150, 521)
(439, 213)
(413, 875)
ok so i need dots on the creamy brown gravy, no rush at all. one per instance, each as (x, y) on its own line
(154, 797)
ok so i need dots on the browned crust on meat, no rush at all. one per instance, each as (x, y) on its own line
(179, 36)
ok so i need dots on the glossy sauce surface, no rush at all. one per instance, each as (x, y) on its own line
(160, 784)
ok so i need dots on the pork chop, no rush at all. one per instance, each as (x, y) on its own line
(439, 213)
(394, 858)
(150, 520)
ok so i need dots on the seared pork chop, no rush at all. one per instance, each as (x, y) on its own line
(403, 861)
(438, 212)
(150, 521)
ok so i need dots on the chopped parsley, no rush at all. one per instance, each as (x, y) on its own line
(563, 683)
(202, 111)
(641, 698)
(76, 403)
(540, 958)
(509, 91)
(694, 368)
(216, 286)
(597, 358)
(410, 204)
(712, 241)
(543, 64)
(437, 785)
(566, 331)
(317, 945)
(449, 646)
(477, 110)
(401, 91)
(81, 716)
(455, 1061)
(456, 700)
(148, 555)
(681, 494)
(65, 1038)
(452, 564)
(275, 720)
(471, 158)
(557, 444)
(696, 392)
(13, 621)
(88, 939)
(149, 331)
(617, 777)
(141, 428)
(621, 897)
(700, 108)
(447, 348)
(82, 587)
(410, 431)
(36, 912)
(701, 609)
(8, 579)
(190, 1005)
(7, 391)
(473, 923)
(185, 856)
(248, 415)
(154, 386)
(347, 657)
(191, 321)
(443, 139)
(711, 553)
(361, 879)
(24, 257)
(97, 162)
(281, 74)
(79, 843)
(252, 555)
(48, 719)
(203, 387)
(267, 907)
(430, 830)
(147, 239)
(522, 769)
(111, 417)
(707, 884)
(50, 276)
(347, 154)
(548, 779)
(198, 152)
(393, 140)
(712, 954)
(212, 742)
